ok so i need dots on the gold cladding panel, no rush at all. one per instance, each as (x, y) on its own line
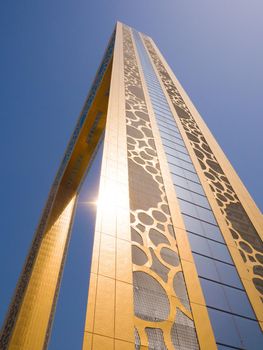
(37, 304)
(31, 311)
(102, 343)
(110, 301)
(193, 286)
(193, 128)
(150, 216)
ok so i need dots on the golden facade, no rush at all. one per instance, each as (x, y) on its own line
(177, 255)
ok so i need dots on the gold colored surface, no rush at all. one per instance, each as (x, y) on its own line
(110, 302)
(107, 262)
(89, 324)
(123, 261)
(104, 307)
(33, 305)
(236, 189)
(150, 215)
(102, 343)
(143, 178)
(206, 341)
(87, 341)
(195, 294)
(124, 310)
(37, 304)
(123, 345)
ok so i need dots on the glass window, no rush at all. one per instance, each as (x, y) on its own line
(238, 302)
(164, 114)
(185, 173)
(193, 225)
(164, 128)
(175, 138)
(195, 187)
(202, 228)
(203, 246)
(159, 103)
(224, 328)
(166, 117)
(175, 147)
(182, 156)
(181, 181)
(212, 232)
(162, 107)
(228, 274)
(217, 271)
(159, 98)
(200, 200)
(183, 193)
(171, 143)
(219, 251)
(182, 164)
(187, 208)
(168, 125)
(178, 171)
(206, 267)
(161, 117)
(199, 244)
(168, 131)
(191, 176)
(155, 93)
(205, 214)
(196, 211)
(214, 295)
(226, 298)
(251, 334)
(153, 87)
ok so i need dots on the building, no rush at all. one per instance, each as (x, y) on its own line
(177, 256)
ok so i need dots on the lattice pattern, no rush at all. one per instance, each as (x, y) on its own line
(243, 232)
(157, 273)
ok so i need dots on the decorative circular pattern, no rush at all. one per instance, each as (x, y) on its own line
(154, 249)
(150, 299)
(239, 223)
(138, 256)
(170, 257)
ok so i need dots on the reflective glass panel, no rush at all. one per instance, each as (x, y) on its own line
(206, 267)
(214, 295)
(228, 274)
(238, 302)
(220, 251)
(182, 164)
(251, 334)
(224, 328)
(199, 244)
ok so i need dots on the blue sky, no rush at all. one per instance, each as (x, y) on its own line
(50, 51)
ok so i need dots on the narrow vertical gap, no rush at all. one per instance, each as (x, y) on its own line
(68, 326)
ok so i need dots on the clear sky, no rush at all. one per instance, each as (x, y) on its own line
(50, 51)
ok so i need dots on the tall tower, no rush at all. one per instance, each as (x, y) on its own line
(177, 255)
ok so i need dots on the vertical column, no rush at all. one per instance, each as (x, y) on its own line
(156, 102)
(239, 225)
(35, 312)
(109, 319)
(163, 315)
